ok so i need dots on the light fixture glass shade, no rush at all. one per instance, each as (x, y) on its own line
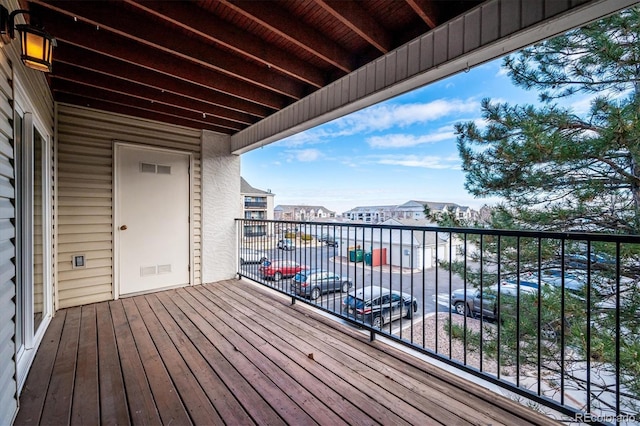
(37, 47)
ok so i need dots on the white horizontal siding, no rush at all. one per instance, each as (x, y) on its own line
(84, 202)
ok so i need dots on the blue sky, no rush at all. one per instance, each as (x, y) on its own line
(389, 153)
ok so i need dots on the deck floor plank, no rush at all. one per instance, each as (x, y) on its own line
(239, 378)
(113, 399)
(392, 392)
(223, 400)
(274, 363)
(57, 406)
(170, 407)
(235, 353)
(341, 394)
(34, 390)
(430, 398)
(85, 409)
(435, 385)
(142, 407)
(291, 412)
(195, 400)
(240, 384)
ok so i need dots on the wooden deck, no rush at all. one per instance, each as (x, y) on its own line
(233, 353)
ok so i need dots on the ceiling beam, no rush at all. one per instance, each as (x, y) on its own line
(188, 17)
(140, 29)
(100, 104)
(95, 92)
(353, 16)
(427, 11)
(108, 44)
(83, 81)
(288, 27)
(91, 61)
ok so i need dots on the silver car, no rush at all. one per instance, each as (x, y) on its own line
(313, 283)
(486, 301)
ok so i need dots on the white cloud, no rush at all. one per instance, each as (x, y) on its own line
(383, 117)
(299, 139)
(303, 155)
(502, 72)
(425, 161)
(405, 140)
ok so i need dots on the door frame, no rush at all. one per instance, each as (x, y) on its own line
(31, 122)
(117, 147)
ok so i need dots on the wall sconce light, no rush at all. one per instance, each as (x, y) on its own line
(36, 44)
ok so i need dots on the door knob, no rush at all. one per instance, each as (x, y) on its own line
(123, 227)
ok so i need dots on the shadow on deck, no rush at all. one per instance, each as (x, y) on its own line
(234, 353)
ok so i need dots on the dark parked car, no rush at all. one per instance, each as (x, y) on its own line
(313, 283)
(378, 306)
(329, 240)
(488, 299)
(598, 261)
(279, 269)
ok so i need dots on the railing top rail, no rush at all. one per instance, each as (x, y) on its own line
(630, 239)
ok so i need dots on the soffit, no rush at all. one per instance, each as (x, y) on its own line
(221, 65)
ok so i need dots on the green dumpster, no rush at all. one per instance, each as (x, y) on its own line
(356, 255)
(367, 258)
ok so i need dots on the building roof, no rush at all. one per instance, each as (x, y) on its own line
(433, 205)
(369, 208)
(245, 188)
(301, 207)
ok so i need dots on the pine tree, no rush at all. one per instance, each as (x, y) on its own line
(554, 168)
(558, 169)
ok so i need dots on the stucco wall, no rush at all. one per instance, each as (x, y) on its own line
(221, 205)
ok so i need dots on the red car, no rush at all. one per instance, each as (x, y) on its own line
(279, 269)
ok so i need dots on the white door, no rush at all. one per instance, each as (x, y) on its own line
(152, 219)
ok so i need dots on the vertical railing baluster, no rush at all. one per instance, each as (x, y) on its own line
(617, 332)
(517, 311)
(588, 331)
(562, 328)
(451, 291)
(539, 316)
(481, 299)
(437, 305)
(499, 262)
(465, 283)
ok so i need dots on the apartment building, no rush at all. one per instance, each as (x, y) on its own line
(256, 204)
(412, 209)
(296, 212)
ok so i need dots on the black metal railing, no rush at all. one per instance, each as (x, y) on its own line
(553, 317)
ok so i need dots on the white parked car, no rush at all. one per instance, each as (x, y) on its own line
(249, 255)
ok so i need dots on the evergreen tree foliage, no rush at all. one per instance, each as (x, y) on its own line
(583, 168)
(562, 168)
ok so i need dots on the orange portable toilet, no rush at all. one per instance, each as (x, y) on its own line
(379, 257)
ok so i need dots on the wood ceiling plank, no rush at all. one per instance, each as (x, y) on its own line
(108, 44)
(97, 91)
(191, 18)
(151, 35)
(91, 61)
(278, 21)
(427, 10)
(352, 15)
(125, 109)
